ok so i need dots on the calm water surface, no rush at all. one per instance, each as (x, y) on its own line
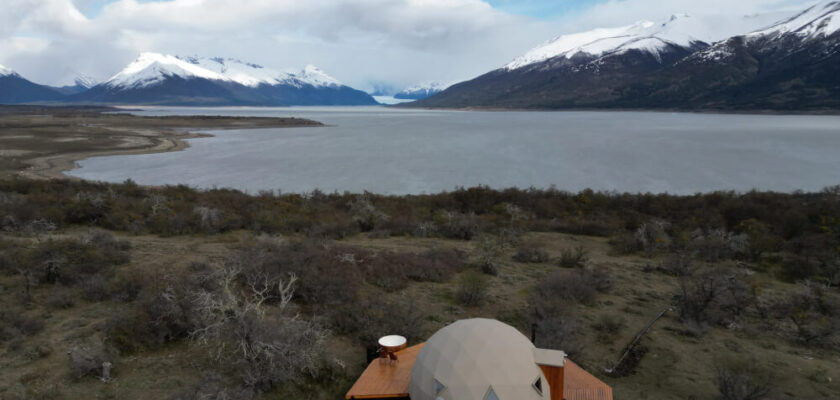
(417, 151)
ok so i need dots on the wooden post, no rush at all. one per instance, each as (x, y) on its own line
(106, 372)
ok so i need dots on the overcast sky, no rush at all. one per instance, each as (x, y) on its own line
(360, 42)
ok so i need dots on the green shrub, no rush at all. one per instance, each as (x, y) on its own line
(608, 326)
(471, 289)
(743, 380)
(531, 251)
(625, 243)
(93, 288)
(436, 265)
(61, 298)
(578, 285)
(157, 318)
(14, 324)
(573, 258)
(68, 261)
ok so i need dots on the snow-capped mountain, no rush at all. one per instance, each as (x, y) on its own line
(421, 91)
(85, 81)
(17, 89)
(644, 35)
(814, 23)
(81, 84)
(679, 31)
(682, 63)
(166, 79)
(152, 68)
(817, 24)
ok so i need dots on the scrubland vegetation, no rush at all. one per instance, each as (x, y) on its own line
(123, 291)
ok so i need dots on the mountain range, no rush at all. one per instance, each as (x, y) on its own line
(791, 64)
(17, 89)
(684, 63)
(171, 80)
(420, 91)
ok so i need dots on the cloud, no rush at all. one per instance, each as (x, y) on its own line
(357, 41)
(618, 12)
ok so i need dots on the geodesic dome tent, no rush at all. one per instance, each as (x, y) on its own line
(478, 359)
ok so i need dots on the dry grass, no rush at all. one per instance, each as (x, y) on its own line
(676, 366)
(679, 363)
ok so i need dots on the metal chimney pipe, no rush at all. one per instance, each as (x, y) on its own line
(534, 333)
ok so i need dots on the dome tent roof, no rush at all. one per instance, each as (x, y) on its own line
(469, 358)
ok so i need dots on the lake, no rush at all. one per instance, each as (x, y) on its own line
(396, 151)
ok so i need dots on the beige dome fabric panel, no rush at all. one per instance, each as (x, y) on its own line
(470, 356)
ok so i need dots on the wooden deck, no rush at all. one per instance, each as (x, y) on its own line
(386, 380)
(581, 385)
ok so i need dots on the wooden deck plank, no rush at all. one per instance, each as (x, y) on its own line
(385, 380)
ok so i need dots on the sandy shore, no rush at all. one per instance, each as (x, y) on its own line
(46, 142)
(56, 166)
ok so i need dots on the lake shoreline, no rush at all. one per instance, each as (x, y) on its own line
(43, 142)
(407, 106)
(390, 151)
(57, 166)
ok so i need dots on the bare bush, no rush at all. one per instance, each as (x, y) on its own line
(457, 225)
(560, 331)
(38, 227)
(513, 218)
(374, 316)
(435, 265)
(212, 387)
(762, 240)
(61, 299)
(388, 271)
(573, 258)
(331, 230)
(329, 274)
(471, 289)
(106, 241)
(713, 295)
(531, 251)
(14, 324)
(379, 234)
(90, 360)
(238, 327)
(488, 250)
(424, 229)
(568, 286)
(580, 285)
(608, 326)
(159, 317)
(653, 236)
(93, 288)
(739, 380)
(624, 243)
(209, 219)
(126, 288)
(718, 244)
(365, 214)
(598, 277)
(814, 314)
(69, 261)
(679, 264)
